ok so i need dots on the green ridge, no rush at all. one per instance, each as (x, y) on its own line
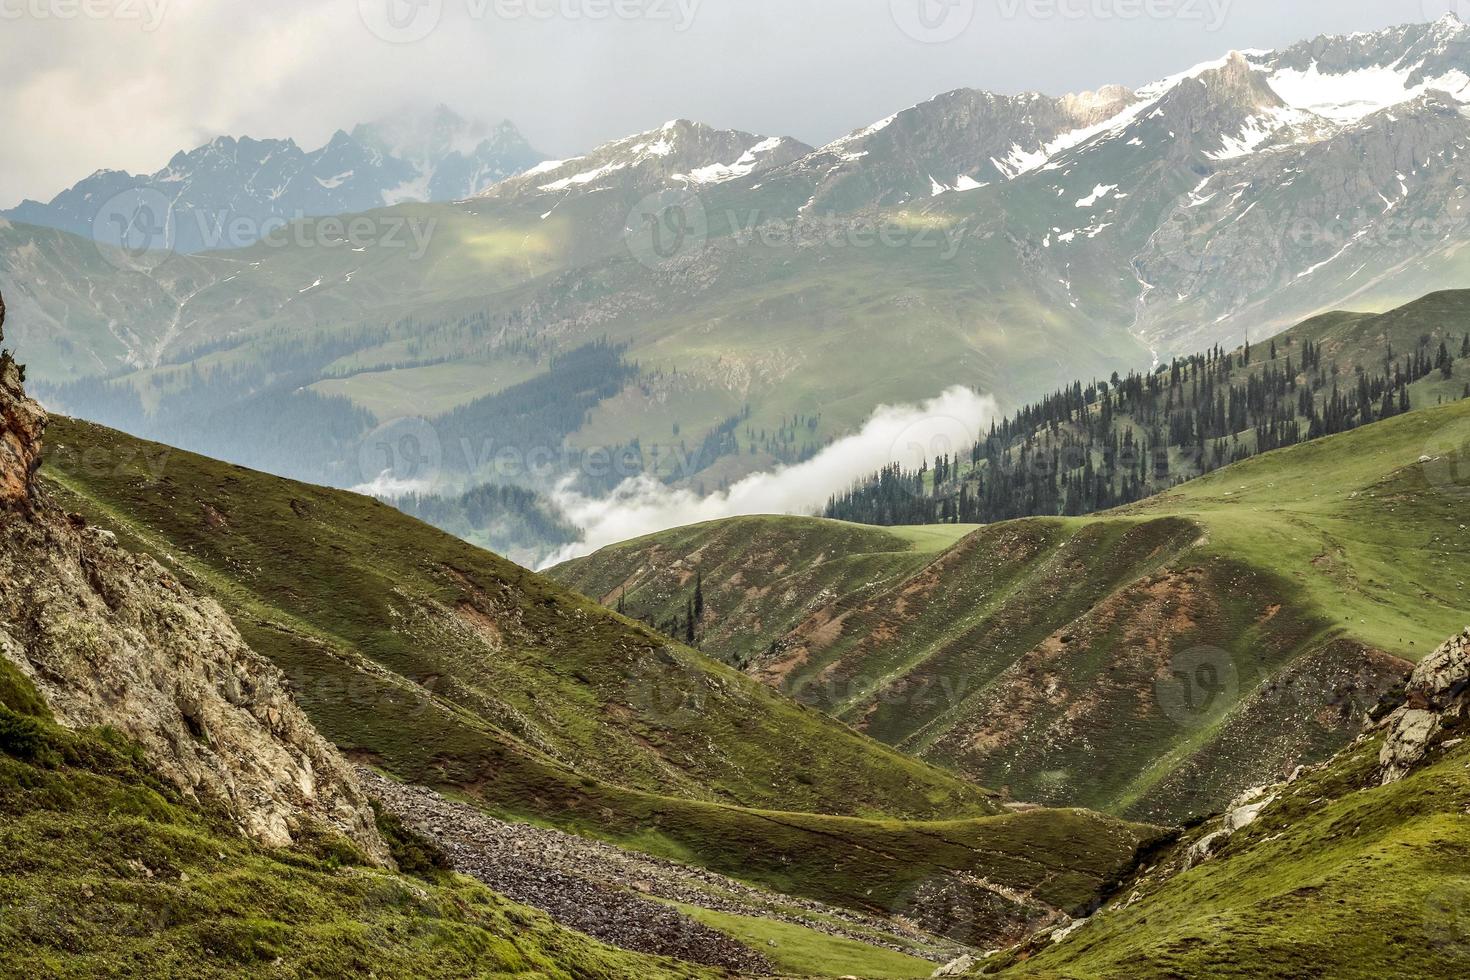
(1039, 655)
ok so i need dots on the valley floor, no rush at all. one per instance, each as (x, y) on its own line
(649, 905)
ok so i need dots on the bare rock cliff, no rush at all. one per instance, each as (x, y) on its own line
(111, 638)
(22, 424)
(1436, 706)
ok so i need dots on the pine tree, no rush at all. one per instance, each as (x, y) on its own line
(689, 623)
(698, 596)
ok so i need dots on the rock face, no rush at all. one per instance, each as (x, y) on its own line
(113, 639)
(1438, 694)
(22, 424)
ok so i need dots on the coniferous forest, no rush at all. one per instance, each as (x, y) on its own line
(1110, 443)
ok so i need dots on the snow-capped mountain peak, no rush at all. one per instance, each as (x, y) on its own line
(678, 153)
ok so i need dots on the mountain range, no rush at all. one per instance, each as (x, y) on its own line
(1009, 244)
(231, 192)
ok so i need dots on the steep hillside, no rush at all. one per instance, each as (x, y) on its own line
(1354, 869)
(169, 810)
(1152, 661)
(449, 667)
(109, 870)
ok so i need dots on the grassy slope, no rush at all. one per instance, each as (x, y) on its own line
(1340, 878)
(104, 871)
(447, 666)
(1040, 654)
(804, 952)
(762, 572)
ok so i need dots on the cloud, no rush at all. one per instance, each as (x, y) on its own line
(907, 434)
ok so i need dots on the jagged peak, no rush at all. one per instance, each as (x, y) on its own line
(1450, 22)
(1240, 82)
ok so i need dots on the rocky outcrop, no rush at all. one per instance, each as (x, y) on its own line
(113, 639)
(22, 424)
(1437, 697)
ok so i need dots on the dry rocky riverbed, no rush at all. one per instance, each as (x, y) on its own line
(614, 895)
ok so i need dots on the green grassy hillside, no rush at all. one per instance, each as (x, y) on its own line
(1152, 661)
(1339, 878)
(106, 871)
(447, 666)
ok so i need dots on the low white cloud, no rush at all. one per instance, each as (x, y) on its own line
(385, 486)
(907, 434)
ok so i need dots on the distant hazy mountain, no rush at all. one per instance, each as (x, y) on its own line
(231, 192)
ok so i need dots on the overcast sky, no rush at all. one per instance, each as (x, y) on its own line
(126, 83)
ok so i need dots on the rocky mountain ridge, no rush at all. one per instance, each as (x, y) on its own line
(232, 191)
(678, 155)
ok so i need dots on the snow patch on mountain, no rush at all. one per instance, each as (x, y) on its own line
(746, 165)
(1099, 192)
(1352, 96)
(1259, 130)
